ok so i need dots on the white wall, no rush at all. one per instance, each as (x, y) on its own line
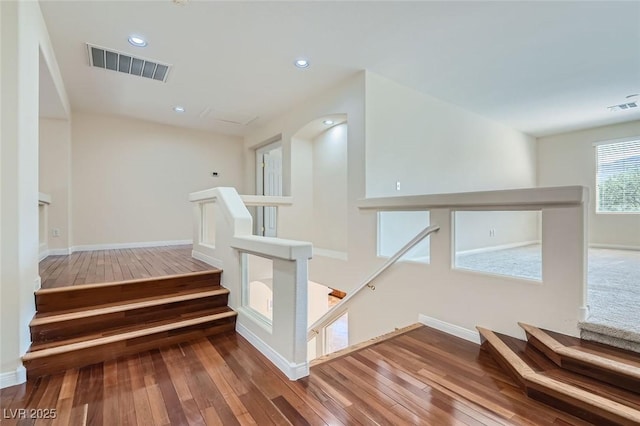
(330, 189)
(432, 147)
(23, 35)
(512, 227)
(569, 159)
(346, 98)
(131, 178)
(293, 222)
(55, 177)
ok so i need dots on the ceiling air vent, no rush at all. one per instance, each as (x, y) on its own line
(122, 62)
(623, 107)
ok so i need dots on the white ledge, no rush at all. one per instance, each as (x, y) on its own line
(266, 200)
(273, 247)
(207, 194)
(510, 199)
(44, 198)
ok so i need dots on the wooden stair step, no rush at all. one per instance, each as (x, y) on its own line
(109, 308)
(616, 371)
(68, 324)
(52, 358)
(108, 331)
(89, 295)
(614, 406)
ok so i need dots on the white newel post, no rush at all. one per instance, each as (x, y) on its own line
(290, 286)
(283, 339)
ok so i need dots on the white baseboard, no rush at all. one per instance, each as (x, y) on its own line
(614, 246)
(583, 313)
(454, 330)
(216, 263)
(37, 283)
(291, 370)
(94, 247)
(59, 252)
(332, 254)
(500, 247)
(13, 378)
(43, 255)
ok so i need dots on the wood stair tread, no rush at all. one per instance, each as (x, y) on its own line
(622, 409)
(61, 347)
(44, 291)
(72, 314)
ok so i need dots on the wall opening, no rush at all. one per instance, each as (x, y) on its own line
(499, 242)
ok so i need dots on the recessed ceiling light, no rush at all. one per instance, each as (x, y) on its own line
(178, 108)
(301, 63)
(137, 41)
(327, 122)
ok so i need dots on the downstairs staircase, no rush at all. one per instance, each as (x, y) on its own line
(86, 324)
(595, 382)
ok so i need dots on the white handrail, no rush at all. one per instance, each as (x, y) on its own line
(335, 312)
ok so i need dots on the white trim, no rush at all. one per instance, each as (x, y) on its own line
(496, 248)
(44, 198)
(207, 259)
(291, 370)
(94, 247)
(614, 246)
(43, 255)
(59, 252)
(332, 254)
(583, 313)
(37, 283)
(13, 378)
(454, 330)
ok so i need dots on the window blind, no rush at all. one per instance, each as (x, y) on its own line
(618, 177)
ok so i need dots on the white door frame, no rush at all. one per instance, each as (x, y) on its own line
(260, 181)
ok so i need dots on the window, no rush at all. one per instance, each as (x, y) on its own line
(618, 177)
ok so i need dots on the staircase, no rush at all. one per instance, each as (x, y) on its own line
(86, 324)
(595, 382)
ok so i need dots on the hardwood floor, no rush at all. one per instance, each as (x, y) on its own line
(101, 266)
(423, 377)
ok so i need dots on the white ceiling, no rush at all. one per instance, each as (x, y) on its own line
(540, 67)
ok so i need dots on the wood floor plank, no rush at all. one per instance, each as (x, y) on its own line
(223, 380)
(116, 265)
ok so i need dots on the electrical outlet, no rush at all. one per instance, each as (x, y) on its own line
(397, 185)
(492, 232)
(55, 232)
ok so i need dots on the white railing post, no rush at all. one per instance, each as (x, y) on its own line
(283, 339)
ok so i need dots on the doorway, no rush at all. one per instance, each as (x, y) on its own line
(268, 182)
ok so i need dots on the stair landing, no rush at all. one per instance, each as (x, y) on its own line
(102, 266)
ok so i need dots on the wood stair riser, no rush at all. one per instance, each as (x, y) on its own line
(51, 301)
(586, 364)
(603, 375)
(543, 395)
(69, 329)
(91, 355)
(542, 380)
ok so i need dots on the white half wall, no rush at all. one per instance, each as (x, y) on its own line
(569, 159)
(131, 178)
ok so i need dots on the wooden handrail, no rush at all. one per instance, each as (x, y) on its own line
(339, 309)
